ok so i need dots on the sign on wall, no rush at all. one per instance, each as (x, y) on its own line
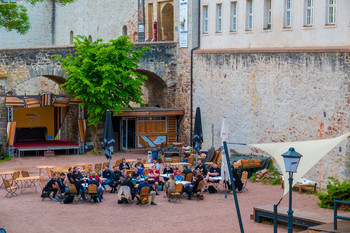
(141, 20)
(183, 23)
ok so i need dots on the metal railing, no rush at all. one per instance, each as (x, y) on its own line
(336, 217)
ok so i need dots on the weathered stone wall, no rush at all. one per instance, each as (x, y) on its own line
(277, 97)
(39, 34)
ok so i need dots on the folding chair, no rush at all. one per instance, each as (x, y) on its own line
(49, 173)
(189, 177)
(143, 196)
(104, 165)
(73, 191)
(43, 193)
(11, 190)
(14, 177)
(119, 161)
(92, 190)
(146, 171)
(58, 169)
(175, 159)
(175, 196)
(98, 168)
(244, 179)
(191, 160)
(60, 197)
(196, 193)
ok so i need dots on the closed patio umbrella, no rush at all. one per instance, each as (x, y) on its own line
(197, 133)
(108, 137)
(224, 165)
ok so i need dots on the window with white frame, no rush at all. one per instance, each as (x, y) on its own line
(219, 18)
(288, 13)
(249, 20)
(233, 16)
(309, 12)
(331, 11)
(205, 19)
(267, 14)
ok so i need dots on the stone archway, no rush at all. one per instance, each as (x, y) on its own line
(167, 23)
(155, 90)
(41, 84)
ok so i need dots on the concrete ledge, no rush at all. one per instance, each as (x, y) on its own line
(276, 50)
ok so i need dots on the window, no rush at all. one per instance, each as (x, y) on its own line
(249, 23)
(288, 13)
(219, 18)
(331, 11)
(71, 35)
(267, 14)
(8, 1)
(233, 16)
(309, 12)
(124, 30)
(90, 38)
(205, 19)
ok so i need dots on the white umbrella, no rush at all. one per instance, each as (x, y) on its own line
(312, 152)
(224, 166)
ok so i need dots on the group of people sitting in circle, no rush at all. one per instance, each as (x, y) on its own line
(130, 184)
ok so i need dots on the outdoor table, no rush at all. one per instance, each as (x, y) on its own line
(183, 182)
(209, 163)
(3, 176)
(44, 167)
(179, 164)
(147, 165)
(166, 176)
(130, 160)
(28, 182)
(84, 185)
(216, 178)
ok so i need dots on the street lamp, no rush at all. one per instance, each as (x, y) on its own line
(291, 162)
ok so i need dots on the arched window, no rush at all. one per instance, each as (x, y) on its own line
(71, 37)
(125, 30)
(90, 38)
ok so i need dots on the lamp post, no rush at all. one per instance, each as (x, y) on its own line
(291, 162)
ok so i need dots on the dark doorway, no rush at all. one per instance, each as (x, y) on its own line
(128, 133)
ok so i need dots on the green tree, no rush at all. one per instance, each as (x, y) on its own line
(14, 16)
(103, 75)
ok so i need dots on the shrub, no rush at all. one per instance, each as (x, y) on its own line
(253, 177)
(336, 190)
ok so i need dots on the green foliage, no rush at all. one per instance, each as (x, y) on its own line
(273, 169)
(6, 158)
(103, 75)
(336, 190)
(276, 181)
(14, 16)
(253, 178)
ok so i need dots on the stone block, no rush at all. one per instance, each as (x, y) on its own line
(49, 153)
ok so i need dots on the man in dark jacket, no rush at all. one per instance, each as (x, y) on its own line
(99, 188)
(152, 193)
(107, 175)
(60, 182)
(50, 187)
(201, 167)
(124, 165)
(115, 178)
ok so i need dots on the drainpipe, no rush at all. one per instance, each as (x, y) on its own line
(53, 22)
(199, 43)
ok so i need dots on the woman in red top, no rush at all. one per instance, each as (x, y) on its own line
(155, 174)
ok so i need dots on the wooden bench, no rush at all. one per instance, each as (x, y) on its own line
(301, 186)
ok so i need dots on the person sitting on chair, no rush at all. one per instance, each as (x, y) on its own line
(154, 174)
(99, 187)
(124, 165)
(50, 187)
(167, 170)
(60, 182)
(89, 171)
(152, 193)
(130, 184)
(139, 163)
(135, 175)
(214, 171)
(170, 185)
(186, 170)
(179, 176)
(140, 168)
(154, 164)
(106, 174)
(115, 177)
(200, 167)
(193, 186)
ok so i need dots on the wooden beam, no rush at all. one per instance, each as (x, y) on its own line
(151, 113)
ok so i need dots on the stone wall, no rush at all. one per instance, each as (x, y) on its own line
(275, 96)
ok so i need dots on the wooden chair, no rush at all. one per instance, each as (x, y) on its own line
(104, 165)
(196, 193)
(49, 173)
(25, 173)
(162, 158)
(175, 159)
(60, 197)
(175, 196)
(11, 190)
(58, 169)
(14, 177)
(119, 161)
(244, 179)
(42, 182)
(144, 161)
(146, 171)
(143, 196)
(73, 191)
(189, 177)
(92, 190)
(67, 167)
(98, 168)
(191, 160)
